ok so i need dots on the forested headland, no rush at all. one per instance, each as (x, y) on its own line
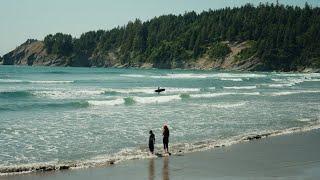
(265, 37)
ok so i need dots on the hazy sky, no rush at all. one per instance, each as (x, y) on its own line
(24, 19)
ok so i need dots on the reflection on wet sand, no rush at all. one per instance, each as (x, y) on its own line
(151, 169)
(165, 168)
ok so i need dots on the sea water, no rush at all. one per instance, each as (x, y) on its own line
(89, 116)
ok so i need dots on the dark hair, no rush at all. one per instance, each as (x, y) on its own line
(165, 131)
(165, 127)
(150, 132)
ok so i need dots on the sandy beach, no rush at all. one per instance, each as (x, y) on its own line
(293, 156)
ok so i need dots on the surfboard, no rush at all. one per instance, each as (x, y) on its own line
(159, 90)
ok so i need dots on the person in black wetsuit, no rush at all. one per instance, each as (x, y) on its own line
(152, 141)
(165, 134)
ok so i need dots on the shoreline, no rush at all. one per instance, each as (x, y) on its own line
(181, 149)
(289, 156)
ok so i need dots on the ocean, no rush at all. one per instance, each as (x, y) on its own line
(85, 117)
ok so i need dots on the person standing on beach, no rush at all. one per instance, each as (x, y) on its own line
(165, 134)
(152, 141)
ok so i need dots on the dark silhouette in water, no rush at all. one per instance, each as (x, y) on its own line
(159, 90)
(152, 141)
(166, 134)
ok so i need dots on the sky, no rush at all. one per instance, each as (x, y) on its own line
(34, 19)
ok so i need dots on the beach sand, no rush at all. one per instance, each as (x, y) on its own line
(293, 156)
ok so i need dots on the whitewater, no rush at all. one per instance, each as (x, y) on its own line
(63, 117)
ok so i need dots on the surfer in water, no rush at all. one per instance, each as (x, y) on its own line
(152, 141)
(159, 90)
(165, 134)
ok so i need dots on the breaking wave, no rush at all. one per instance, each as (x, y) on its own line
(34, 82)
(133, 75)
(50, 82)
(161, 99)
(241, 87)
(148, 90)
(292, 92)
(231, 79)
(222, 76)
(222, 105)
(222, 94)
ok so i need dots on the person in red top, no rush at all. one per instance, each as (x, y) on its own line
(165, 134)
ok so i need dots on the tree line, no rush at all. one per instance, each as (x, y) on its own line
(283, 37)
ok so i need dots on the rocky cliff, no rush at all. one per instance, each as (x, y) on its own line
(33, 53)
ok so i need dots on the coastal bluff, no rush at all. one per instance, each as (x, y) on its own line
(34, 53)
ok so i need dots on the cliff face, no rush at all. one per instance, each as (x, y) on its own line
(30, 53)
(33, 53)
(230, 62)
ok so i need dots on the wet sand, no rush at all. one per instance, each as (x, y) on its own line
(294, 156)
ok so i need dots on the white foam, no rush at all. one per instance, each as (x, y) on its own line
(114, 102)
(34, 82)
(296, 80)
(68, 94)
(146, 90)
(150, 90)
(226, 76)
(277, 80)
(182, 76)
(10, 81)
(181, 90)
(224, 105)
(231, 79)
(304, 120)
(313, 80)
(291, 92)
(141, 100)
(292, 81)
(133, 75)
(279, 85)
(51, 82)
(241, 87)
(208, 95)
(156, 99)
(239, 75)
(212, 88)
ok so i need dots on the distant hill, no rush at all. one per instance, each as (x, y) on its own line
(264, 38)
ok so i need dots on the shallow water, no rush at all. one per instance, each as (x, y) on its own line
(53, 115)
